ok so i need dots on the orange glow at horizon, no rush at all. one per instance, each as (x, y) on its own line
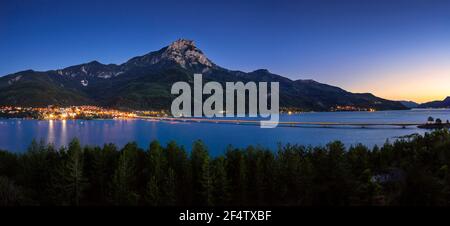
(419, 83)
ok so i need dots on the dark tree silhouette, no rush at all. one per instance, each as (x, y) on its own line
(411, 171)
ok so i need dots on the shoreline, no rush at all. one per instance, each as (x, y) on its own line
(290, 124)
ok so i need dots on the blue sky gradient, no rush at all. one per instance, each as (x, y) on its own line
(362, 46)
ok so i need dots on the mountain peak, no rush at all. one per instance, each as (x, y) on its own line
(261, 71)
(181, 44)
(94, 62)
(186, 54)
(182, 52)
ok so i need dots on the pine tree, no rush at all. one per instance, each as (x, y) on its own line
(156, 165)
(220, 182)
(152, 195)
(201, 175)
(74, 180)
(177, 159)
(237, 172)
(10, 194)
(124, 179)
(169, 188)
(100, 164)
(156, 161)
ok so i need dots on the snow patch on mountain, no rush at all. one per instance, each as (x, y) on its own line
(104, 75)
(15, 79)
(83, 69)
(84, 82)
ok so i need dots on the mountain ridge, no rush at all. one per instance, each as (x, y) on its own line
(144, 82)
(437, 104)
(409, 104)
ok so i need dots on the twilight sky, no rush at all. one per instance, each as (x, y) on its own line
(396, 49)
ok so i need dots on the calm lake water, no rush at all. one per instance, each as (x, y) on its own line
(16, 134)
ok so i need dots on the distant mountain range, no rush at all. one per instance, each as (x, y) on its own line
(144, 82)
(409, 104)
(436, 104)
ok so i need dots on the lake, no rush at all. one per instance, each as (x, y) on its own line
(17, 134)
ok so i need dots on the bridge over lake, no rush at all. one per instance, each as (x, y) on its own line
(286, 123)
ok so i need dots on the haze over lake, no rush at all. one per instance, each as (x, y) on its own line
(17, 134)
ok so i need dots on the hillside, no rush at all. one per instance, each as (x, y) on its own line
(144, 82)
(437, 104)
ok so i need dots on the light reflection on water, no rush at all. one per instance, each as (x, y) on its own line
(17, 134)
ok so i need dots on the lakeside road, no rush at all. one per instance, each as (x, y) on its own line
(290, 123)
